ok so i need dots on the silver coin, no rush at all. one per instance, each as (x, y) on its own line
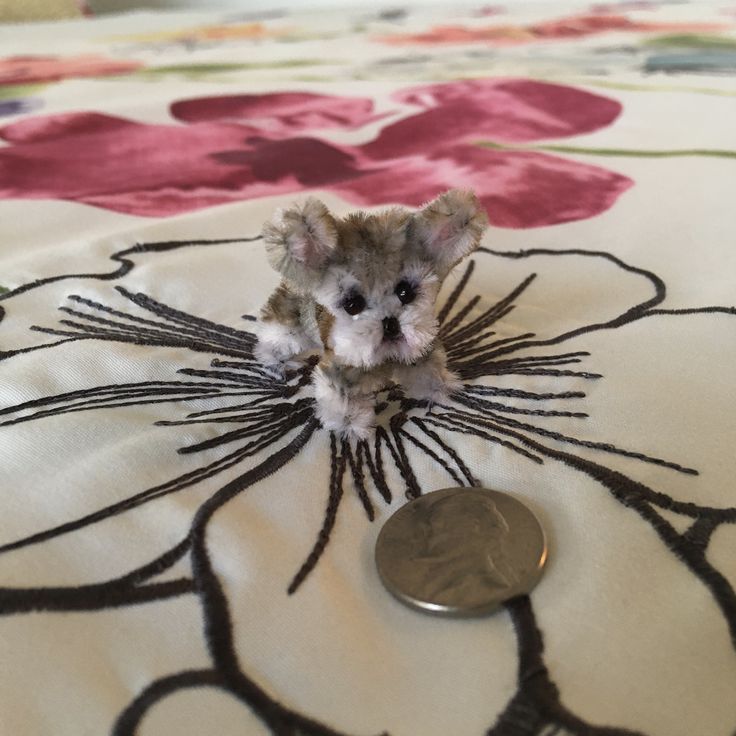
(461, 551)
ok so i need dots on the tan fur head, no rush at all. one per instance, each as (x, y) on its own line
(376, 274)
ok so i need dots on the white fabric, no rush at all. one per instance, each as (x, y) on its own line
(633, 638)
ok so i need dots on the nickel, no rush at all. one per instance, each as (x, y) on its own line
(461, 551)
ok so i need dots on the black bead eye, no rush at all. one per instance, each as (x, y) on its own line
(405, 291)
(354, 304)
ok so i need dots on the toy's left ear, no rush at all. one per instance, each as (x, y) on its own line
(300, 241)
(450, 228)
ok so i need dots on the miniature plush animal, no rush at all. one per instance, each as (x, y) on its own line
(362, 290)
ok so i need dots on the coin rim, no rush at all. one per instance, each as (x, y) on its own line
(438, 609)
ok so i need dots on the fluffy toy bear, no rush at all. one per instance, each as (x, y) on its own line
(362, 291)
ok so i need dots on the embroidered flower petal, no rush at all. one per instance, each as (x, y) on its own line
(199, 710)
(84, 666)
(364, 663)
(627, 628)
(130, 456)
(699, 394)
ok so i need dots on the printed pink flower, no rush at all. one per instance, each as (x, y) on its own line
(570, 27)
(249, 146)
(585, 25)
(26, 69)
(504, 110)
(488, 10)
(625, 5)
(519, 189)
(279, 112)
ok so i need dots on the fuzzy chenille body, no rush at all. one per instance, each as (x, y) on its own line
(362, 291)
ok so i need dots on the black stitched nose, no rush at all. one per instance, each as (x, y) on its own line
(391, 329)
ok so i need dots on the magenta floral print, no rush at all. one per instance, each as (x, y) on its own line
(473, 134)
(35, 69)
(604, 19)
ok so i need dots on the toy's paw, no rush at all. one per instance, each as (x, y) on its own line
(354, 425)
(431, 384)
(281, 369)
(277, 347)
(352, 417)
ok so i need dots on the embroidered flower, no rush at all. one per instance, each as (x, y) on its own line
(256, 479)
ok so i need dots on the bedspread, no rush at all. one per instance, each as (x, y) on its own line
(184, 549)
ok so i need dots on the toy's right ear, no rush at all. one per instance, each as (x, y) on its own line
(300, 241)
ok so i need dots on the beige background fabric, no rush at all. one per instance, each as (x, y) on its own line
(637, 635)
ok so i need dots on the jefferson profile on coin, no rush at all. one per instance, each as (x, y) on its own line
(460, 550)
